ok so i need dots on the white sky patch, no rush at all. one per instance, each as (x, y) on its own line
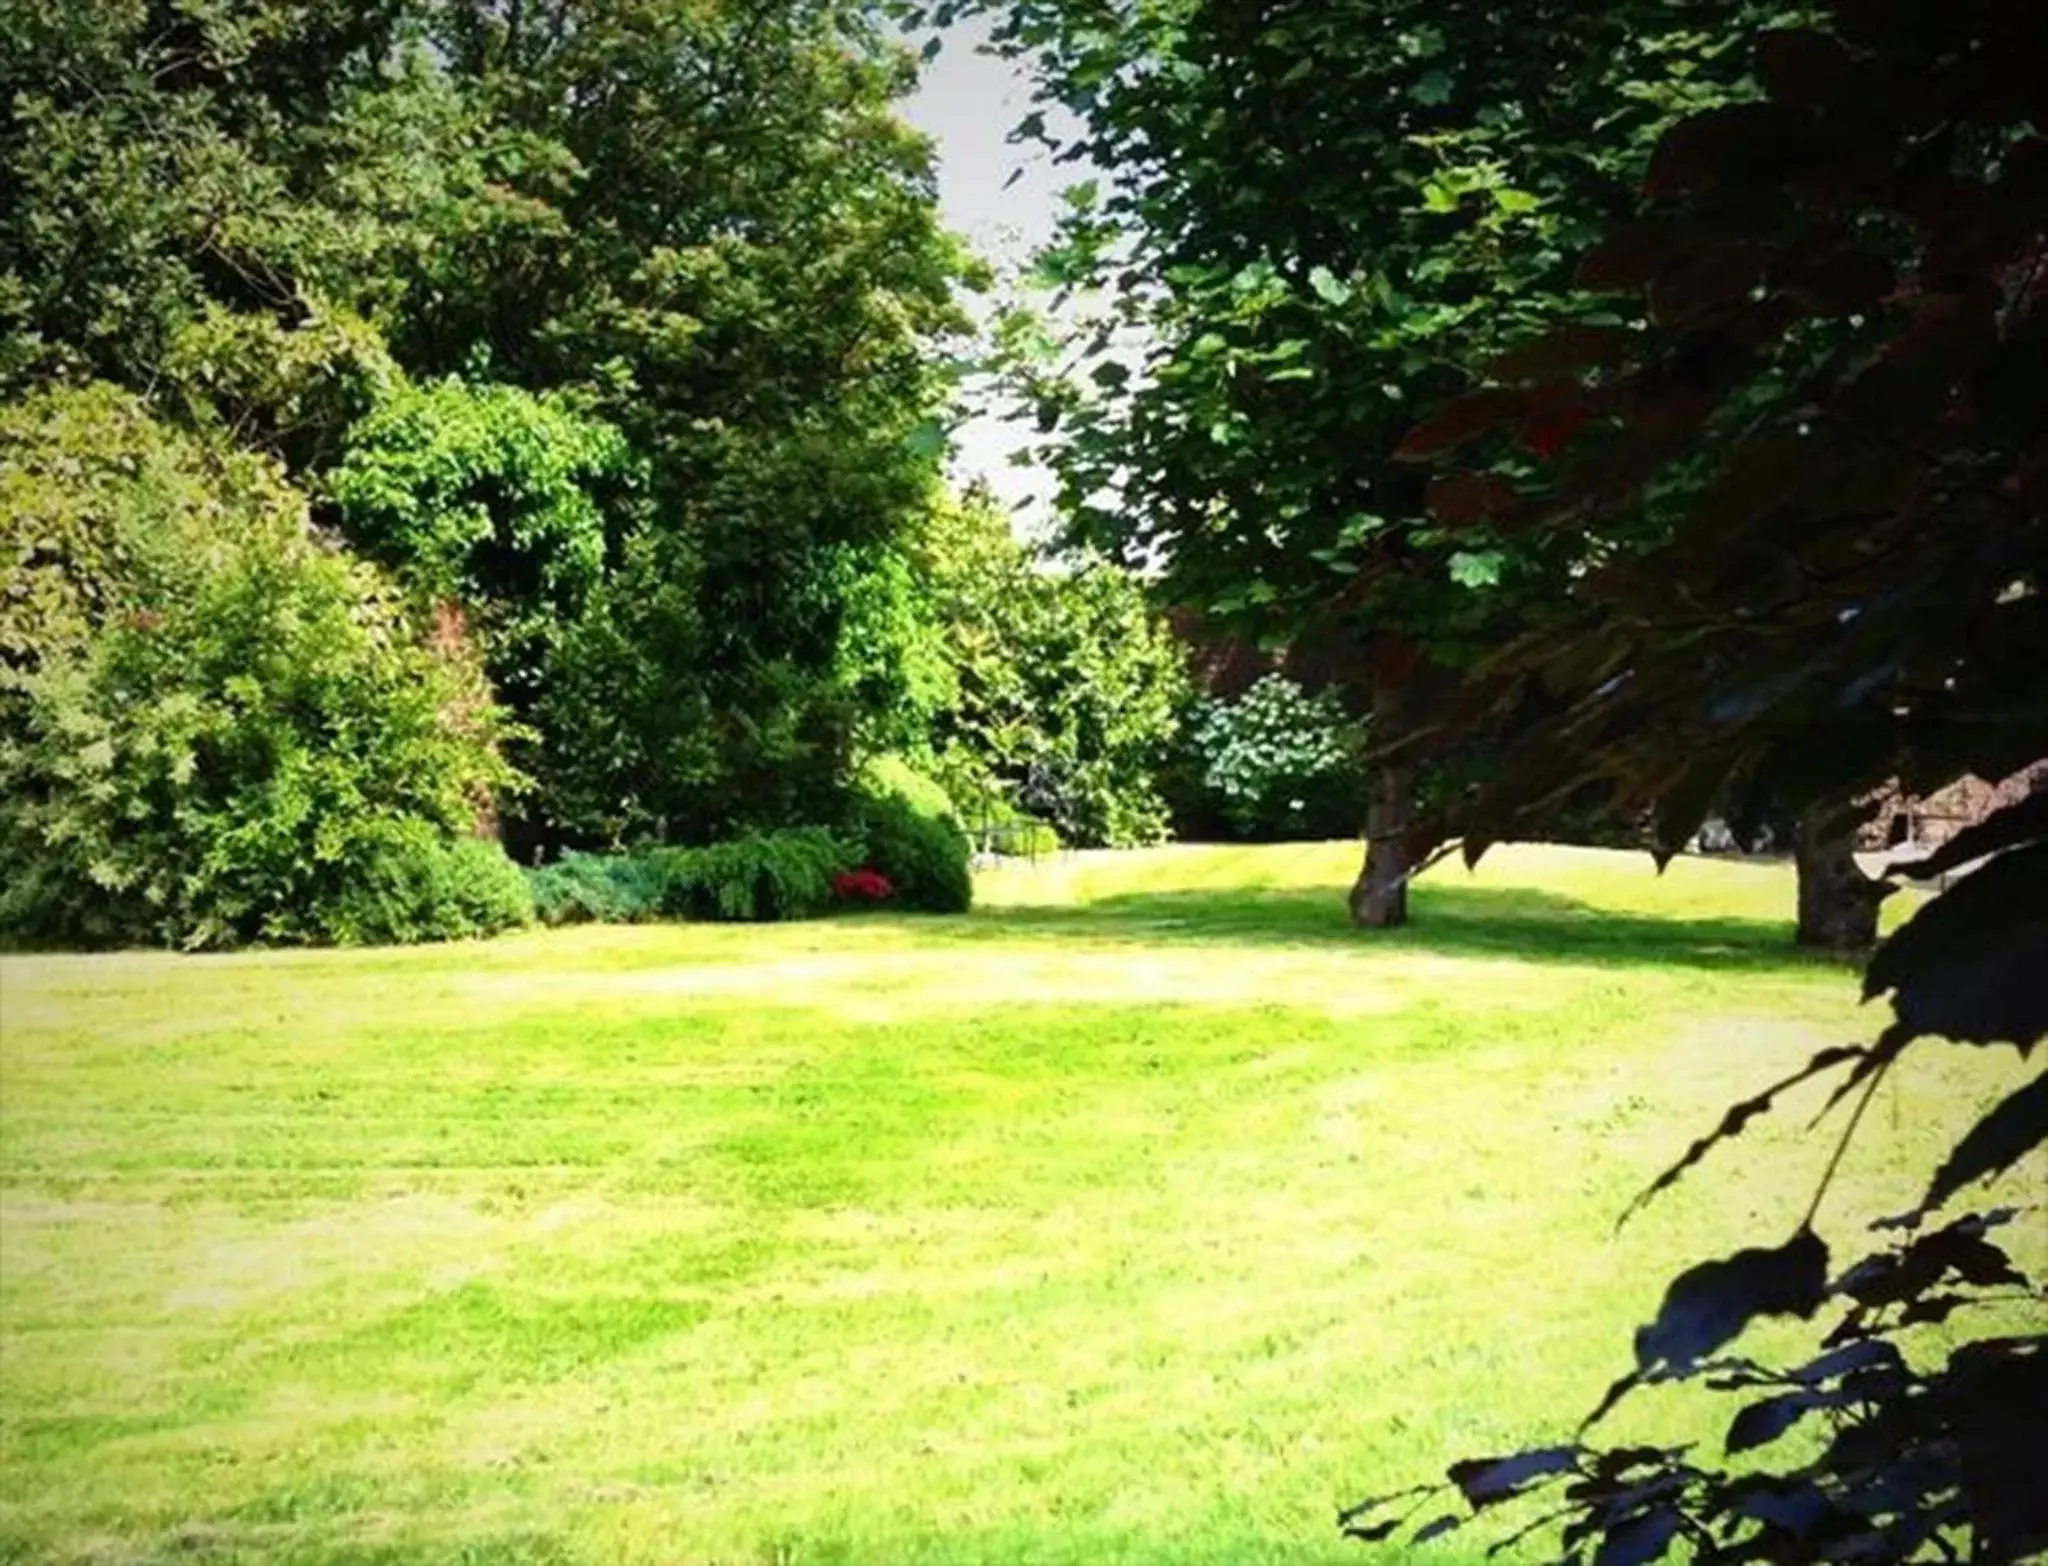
(1005, 200)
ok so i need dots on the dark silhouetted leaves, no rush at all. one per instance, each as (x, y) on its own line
(1450, 1522)
(1970, 965)
(1639, 1539)
(1709, 1305)
(1994, 1144)
(1800, 65)
(1487, 1480)
(1465, 498)
(1566, 350)
(1762, 1423)
(1460, 420)
(2024, 822)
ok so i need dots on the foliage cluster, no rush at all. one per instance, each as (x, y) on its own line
(618, 339)
(1063, 690)
(616, 336)
(913, 836)
(1284, 763)
(762, 876)
(213, 728)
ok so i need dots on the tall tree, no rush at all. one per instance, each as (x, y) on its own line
(1848, 285)
(1319, 220)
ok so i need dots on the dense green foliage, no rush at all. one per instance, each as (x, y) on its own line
(1282, 762)
(911, 833)
(764, 875)
(214, 729)
(761, 876)
(580, 888)
(616, 332)
(407, 882)
(1060, 691)
(488, 496)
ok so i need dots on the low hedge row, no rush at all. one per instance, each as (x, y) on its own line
(900, 826)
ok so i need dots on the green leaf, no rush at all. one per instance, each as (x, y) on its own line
(1329, 286)
(1433, 88)
(1476, 567)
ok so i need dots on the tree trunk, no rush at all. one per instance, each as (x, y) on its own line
(1837, 901)
(1379, 897)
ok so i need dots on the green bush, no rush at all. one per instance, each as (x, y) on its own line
(600, 888)
(1053, 671)
(892, 775)
(236, 733)
(412, 884)
(762, 876)
(912, 835)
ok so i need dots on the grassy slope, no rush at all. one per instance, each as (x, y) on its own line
(1146, 1214)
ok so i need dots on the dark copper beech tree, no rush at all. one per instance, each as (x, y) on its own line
(1843, 392)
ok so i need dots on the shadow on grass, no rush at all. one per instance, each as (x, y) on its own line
(1449, 920)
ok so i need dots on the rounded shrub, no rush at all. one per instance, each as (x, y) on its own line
(411, 883)
(763, 876)
(583, 888)
(912, 836)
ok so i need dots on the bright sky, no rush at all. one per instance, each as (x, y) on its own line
(968, 102)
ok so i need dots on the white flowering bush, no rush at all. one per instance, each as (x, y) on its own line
(1280, 761)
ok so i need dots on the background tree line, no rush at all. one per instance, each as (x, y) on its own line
(426, 416)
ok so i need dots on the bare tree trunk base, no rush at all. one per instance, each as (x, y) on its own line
(1837, 902)
(1379, 897)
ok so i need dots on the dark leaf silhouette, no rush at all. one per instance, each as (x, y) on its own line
(1447, 1523)
(1762, 1423)
(2023, 822)
(1487, 1480)
(1461, 420)
(1709, 1305)
(1560, 352)
(1969, 965)
(1639, 1539)
(1994, 1144)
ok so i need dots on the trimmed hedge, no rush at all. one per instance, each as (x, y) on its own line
(764, 876)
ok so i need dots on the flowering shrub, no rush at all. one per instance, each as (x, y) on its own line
(862, 886)
(1281, 762)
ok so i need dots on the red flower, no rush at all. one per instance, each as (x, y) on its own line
(862, 886)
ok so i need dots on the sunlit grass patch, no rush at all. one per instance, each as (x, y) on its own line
(1148, 1213)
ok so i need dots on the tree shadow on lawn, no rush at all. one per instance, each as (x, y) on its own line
(1521, 923)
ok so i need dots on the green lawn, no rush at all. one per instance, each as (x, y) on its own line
(1147, 1214)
